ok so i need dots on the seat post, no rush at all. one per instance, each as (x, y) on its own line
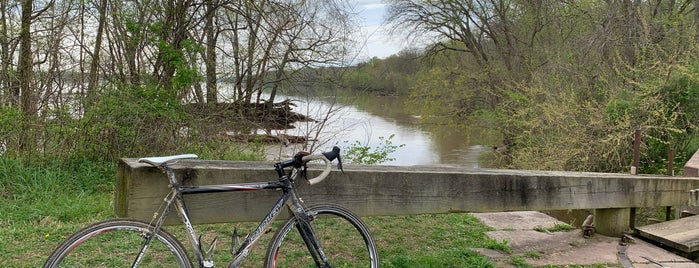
(171, 176)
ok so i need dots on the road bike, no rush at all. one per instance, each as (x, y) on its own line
(326, 235)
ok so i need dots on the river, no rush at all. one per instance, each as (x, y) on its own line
(366, 119)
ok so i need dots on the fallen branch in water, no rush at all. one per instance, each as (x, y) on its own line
(266, 138)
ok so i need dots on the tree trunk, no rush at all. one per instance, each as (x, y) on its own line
(5, 83)
(94, 66)
(211, 86)
(24, 92)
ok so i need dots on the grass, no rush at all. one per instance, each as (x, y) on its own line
(41, 204)
(558, 227)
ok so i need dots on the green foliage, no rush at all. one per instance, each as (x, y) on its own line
(134, 121)
(570, 97)
(677, 110)
(358, 153)
(186, 74)
(571, 130)
(12, 121)
(389, 76)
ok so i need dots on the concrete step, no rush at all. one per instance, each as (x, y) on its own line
(681, 234)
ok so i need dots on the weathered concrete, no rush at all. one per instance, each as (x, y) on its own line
(565, 248)
(394, 190)
(612, 221)
(691, 168)
(681, 234)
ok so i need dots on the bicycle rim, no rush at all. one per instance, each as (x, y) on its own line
(116, 243)
(345, 239)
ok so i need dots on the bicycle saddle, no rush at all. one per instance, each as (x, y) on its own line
(160, 160)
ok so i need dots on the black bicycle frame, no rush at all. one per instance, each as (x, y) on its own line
(288, 197)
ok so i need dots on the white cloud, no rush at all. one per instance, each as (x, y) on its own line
(379, 43)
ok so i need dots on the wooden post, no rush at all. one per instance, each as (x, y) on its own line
(636, 152)
(670, 172)
(670, 163)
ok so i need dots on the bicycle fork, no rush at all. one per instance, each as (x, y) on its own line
(309, 237)
(305, 228)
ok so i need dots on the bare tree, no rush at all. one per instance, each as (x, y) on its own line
(94, 65)
(8, 46)
(267, 39)
(24, 68)
(448, 20)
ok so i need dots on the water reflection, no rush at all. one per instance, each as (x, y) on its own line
(367, 119)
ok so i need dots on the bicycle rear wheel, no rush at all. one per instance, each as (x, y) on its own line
(116, 243)
(345, 239)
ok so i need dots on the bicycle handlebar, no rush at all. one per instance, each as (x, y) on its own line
(299, 160)
(327, 157)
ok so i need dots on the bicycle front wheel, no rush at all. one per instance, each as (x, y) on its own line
(344, 238)
(116, 243)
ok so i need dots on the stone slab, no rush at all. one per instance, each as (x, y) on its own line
(681, 234)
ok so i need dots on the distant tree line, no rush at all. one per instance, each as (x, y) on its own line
(567, 83)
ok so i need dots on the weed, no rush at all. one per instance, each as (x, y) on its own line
(559, 227)
(532, 254)
(358, 153)
(520, 263)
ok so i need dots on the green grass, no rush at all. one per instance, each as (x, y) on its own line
(41, 204)
(558, 227)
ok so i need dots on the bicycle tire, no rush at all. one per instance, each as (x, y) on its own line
(345, 239)
(115, 243)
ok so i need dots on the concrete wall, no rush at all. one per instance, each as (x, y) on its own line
(393, 190)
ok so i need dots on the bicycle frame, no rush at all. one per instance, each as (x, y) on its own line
(288, 197)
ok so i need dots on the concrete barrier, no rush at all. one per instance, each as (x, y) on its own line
(401, 190)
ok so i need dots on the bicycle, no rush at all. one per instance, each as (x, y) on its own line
(137, 243)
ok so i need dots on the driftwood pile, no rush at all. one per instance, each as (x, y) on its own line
(266, 138)
(242, 119)
(277, 116)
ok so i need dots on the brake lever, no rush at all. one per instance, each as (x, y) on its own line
(339, 164)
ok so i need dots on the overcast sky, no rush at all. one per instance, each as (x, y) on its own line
(378, 42)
